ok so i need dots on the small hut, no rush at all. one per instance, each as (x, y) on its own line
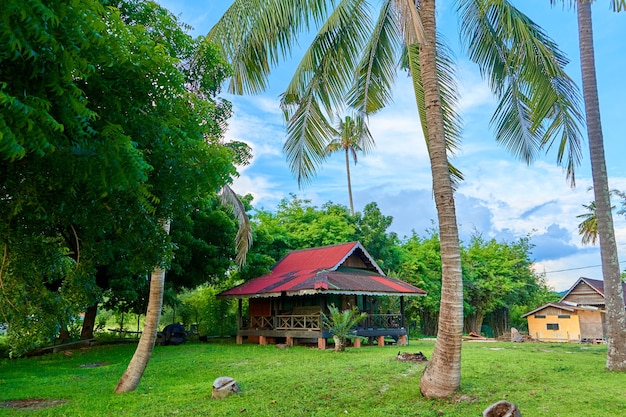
(285, 305)
(579, 316)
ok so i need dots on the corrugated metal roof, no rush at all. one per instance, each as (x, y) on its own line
(320, 270)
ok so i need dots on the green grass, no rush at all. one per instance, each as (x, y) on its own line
(543, 379)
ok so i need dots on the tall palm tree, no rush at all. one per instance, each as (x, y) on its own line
(352, 136)
(357, 53)
(613, 291)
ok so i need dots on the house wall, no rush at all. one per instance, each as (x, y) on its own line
(354, 261)
(541, 325)
(585, 295)
(260, 307)
(591, 324)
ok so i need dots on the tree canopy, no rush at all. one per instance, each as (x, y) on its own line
(108, 123)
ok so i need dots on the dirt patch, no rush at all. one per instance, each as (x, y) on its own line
(32, 403)
(92, 365)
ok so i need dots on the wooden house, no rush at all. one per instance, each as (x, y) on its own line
(579, 316)
(285, 305)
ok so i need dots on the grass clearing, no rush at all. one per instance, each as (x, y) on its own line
(543, 379)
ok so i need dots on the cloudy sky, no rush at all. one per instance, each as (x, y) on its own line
(501, 197)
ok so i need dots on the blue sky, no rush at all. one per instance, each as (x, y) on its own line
(501, 197)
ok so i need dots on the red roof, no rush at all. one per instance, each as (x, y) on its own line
(325, 270)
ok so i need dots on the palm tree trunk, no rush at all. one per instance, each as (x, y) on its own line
(442, 376)
(349, 182)
(130, 380)
(613, 292)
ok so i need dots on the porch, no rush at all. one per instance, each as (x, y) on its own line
(308, 327)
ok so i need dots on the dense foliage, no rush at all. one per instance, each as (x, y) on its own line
(107, 125)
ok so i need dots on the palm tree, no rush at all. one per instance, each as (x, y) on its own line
(352, 136)
(588, 228)
(353, 60)
(616, 315)
(138, 363)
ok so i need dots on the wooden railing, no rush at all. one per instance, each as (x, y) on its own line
(299, 322)
(381, 321)
(314, 322)
(283, 322)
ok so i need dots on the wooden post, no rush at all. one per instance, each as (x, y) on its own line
(321, 343)
(357, 342)
(262, 340)
(381, 340)
(239, 339)
(239, 315)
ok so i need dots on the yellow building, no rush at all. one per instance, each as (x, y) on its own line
(579, 316)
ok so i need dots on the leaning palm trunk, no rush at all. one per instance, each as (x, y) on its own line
(616, 316)
(442, 376)
(130, 380)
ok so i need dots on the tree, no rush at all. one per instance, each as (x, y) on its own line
(420, 264)
(108, 126)
(616, 314)
(354, 59)
(496, 275)
(352, 136)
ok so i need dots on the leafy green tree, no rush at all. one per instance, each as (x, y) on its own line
(420, 264)
(352, 136)
(615, 309)
(356, 54)
(372, 232)
(108, 126)
(496, 275)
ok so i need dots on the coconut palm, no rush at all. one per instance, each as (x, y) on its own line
(352, 136)
(613, 291)
(353, 61)
(138, 363)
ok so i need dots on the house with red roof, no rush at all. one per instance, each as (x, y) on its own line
(285, 305)
(579, 316)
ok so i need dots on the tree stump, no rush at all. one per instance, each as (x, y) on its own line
(502, 409)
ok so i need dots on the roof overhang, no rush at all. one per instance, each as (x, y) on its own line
(321, 292)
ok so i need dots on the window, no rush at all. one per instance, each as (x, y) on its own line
(540, 316)
(552, 326)
(564, 316)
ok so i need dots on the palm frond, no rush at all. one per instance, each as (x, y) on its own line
(410, 21)
(376, 73)
(243, 240)
(329, 62)
(255, 35)
(588, 228)
(539, 103)
(320, 83)
(308, 133)
(449, 98)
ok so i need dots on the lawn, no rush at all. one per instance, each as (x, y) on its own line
(543, 379)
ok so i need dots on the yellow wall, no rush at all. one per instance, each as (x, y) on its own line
(569, 328)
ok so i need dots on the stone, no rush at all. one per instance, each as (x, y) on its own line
(502, 409)
(224, 386)
(516, 336)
